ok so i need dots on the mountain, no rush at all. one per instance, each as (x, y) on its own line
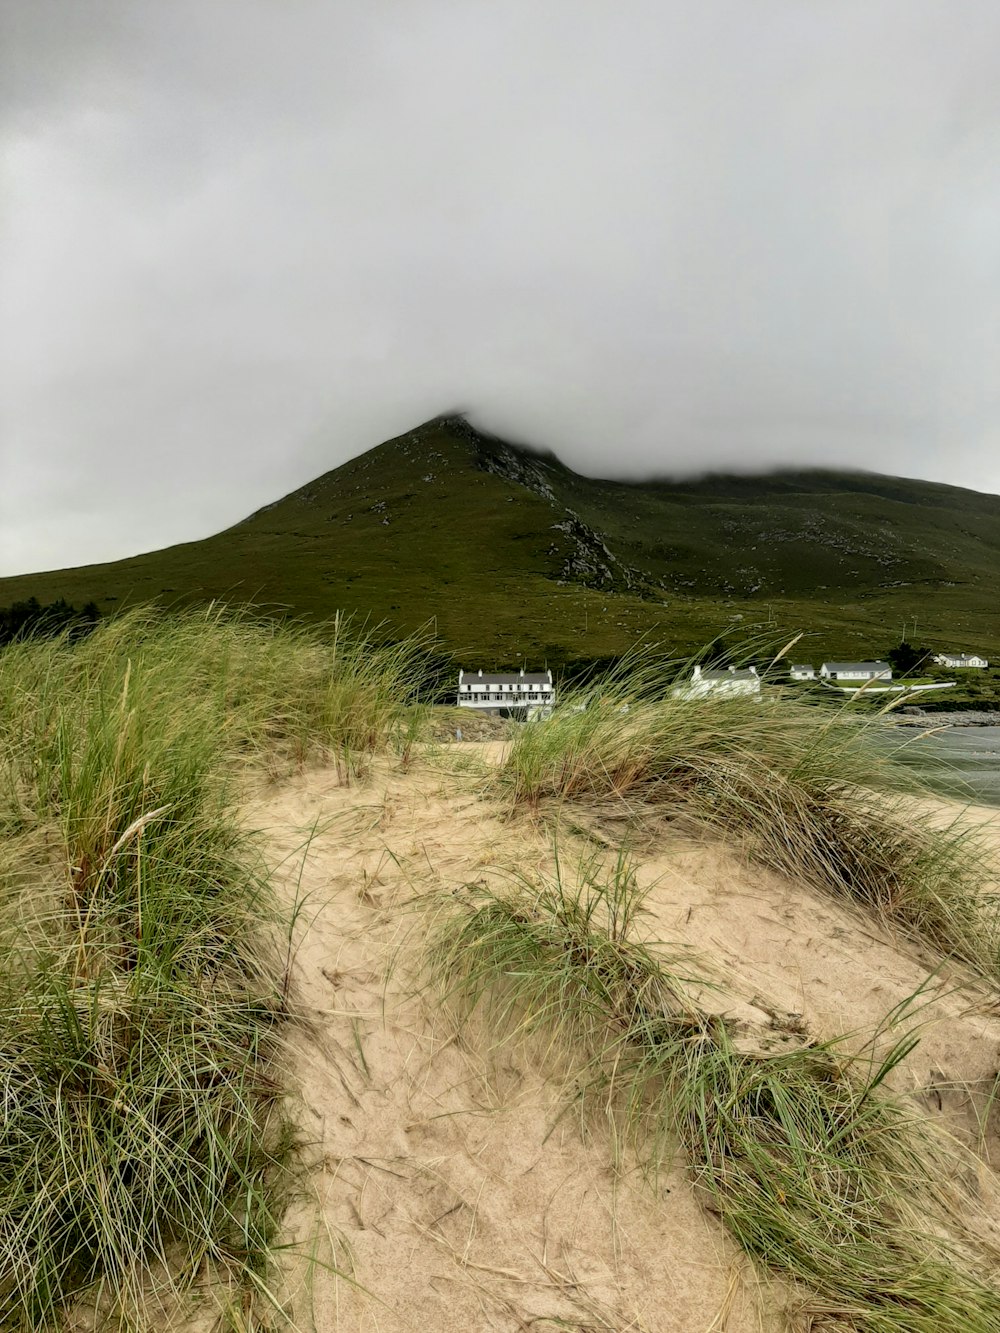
(509, 552)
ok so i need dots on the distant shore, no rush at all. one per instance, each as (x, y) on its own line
(916, 717)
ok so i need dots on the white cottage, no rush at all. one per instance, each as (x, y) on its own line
(517, 694)
(728, 681)
(961, 660)
(856, 671)
(802, 672)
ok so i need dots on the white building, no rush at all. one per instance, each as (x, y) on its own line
(802, 672)
(728, 681)
(519, 693)
(960, 660)
(859, 671)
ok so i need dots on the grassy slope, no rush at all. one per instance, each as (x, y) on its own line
(846, 557)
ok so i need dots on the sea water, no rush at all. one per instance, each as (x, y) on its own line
(963, 762)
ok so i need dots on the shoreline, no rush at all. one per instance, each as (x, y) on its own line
(919, 718)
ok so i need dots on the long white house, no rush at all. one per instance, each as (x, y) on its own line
(517, 693)
(960, 660)
(859, 671)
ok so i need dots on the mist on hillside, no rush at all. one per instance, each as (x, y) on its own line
(247, 242)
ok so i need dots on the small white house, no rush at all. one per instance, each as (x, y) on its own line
(961, 660)
(728, 681)
(801, 672)
(859, 671)
(517, 694)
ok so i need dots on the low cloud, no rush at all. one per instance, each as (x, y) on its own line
(246, 241)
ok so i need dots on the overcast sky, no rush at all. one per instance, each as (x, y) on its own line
(244, 240)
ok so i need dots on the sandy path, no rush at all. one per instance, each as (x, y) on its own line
(464, 1205)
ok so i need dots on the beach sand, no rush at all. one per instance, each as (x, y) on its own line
(454, 1190)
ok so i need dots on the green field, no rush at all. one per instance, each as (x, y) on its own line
(512, 557)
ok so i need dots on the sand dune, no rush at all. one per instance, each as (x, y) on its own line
(458, 1196)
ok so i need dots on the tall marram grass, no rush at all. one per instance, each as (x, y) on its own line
(817, 1171)
(143, 960)
(816, 793)
(332, 689)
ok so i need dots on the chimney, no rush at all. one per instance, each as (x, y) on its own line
(480, 671)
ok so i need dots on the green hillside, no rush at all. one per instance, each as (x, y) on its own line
(509, 552)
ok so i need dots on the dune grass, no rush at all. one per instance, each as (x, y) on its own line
(817, 1172)
(329, 690)
(144, 1136)
(815, 793)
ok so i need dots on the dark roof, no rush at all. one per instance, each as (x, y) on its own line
(506, 678)
(729, 675)
(802, 666)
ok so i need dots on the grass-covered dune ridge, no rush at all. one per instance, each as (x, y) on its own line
(147, 1144)
(143, 959)
(820, 794)
(816, 1171)
(246, 684)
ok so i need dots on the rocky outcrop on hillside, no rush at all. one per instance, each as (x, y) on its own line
(587, 558)
(881, 545)
(503, 461)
